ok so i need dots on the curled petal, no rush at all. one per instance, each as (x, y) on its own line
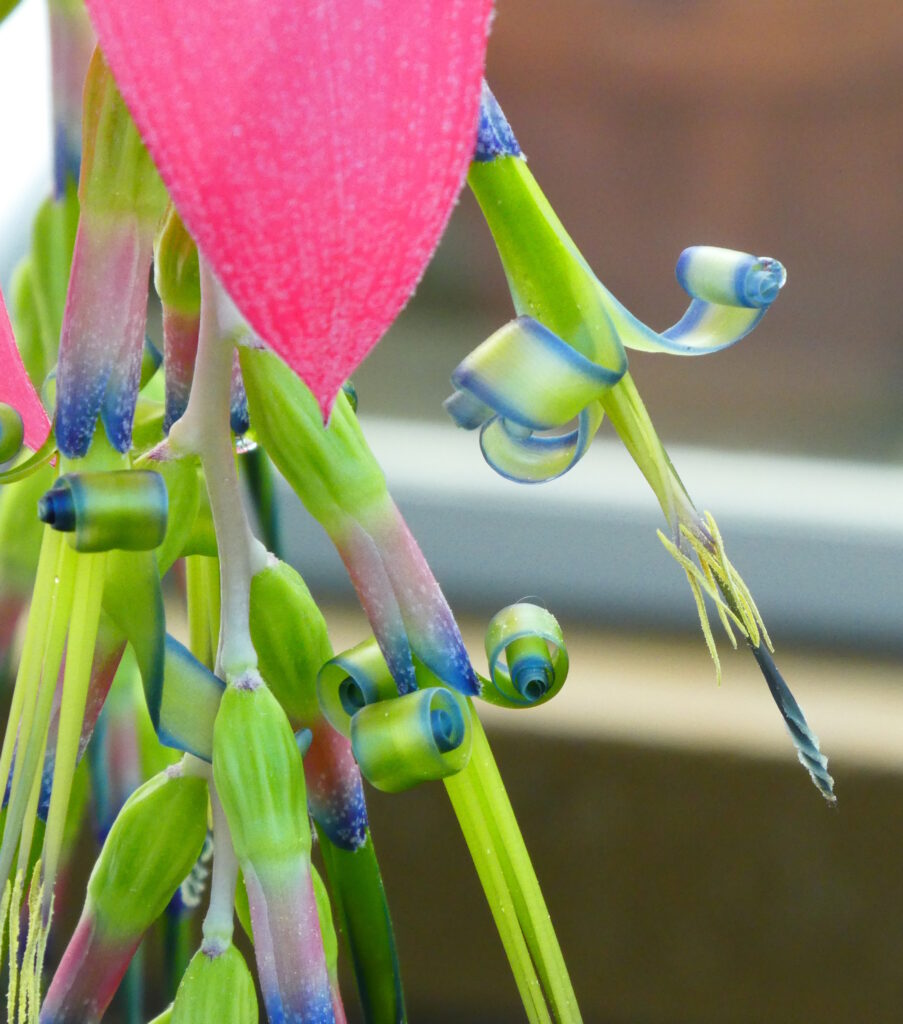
(528, 659)
(351, 681)
(525, 379)
(731, 292)
(420, 737)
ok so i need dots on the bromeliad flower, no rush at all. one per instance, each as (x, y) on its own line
(564, 357)
(343, 154)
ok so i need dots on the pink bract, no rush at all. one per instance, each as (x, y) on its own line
(15, 387)
(313, 149)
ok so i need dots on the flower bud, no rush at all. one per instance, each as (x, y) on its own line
(151, 847)
(216, 989)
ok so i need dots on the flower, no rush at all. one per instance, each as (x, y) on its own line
(564, 357)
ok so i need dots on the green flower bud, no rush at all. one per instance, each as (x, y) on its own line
(216, 989)
(333, 471)
(152, 846)
(259, 776)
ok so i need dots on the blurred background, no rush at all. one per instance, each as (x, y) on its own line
(693, 873)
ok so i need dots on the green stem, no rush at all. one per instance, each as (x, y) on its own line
(35, 750)
(35, 714)
(88, 595)
(214, 615)
(462, 792)
(522, 881)
(217, 927)
(29, 674)
(196, 599)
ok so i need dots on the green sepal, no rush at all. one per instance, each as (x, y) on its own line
(147, 428)
(331, 468)
(26, 322)
(152, 846)
(52, 245)
(291, 639)
(360, 903)
(183, 488)
(259, 777)
(38, 294)
(117, 173)
(215, 990)
(177, 275)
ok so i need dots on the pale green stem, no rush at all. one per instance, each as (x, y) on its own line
(218, 922)
(204, 431)
(212, 585)
(521, 877)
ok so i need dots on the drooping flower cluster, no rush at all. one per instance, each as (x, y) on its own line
(287, 210)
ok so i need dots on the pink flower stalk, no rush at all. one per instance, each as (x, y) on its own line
(313, 150)
(102, 338)
(410, 616)
(71, 43)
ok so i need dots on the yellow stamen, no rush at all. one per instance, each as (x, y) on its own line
(15, 905)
